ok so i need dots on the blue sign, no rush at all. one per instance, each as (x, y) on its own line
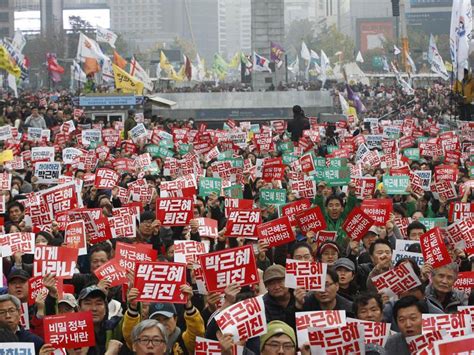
(85, 101)
(424, 3)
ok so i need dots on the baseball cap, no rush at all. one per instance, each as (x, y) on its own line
(18, 274)
(91, 291)
(165, 309)
(345, 263)
(273, 272)
(68, 299)
(277, 327)
(147, 216)
(374, 230)
(327, 245)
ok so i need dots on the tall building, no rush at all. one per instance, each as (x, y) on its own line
(6, 18)
(334, 13)
(51, 17)
(234, 27)
(299, 10)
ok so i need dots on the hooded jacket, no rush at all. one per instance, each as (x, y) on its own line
(454, 299)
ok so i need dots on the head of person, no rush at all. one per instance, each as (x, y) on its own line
(99, 255)
(93, 299)
(67, 304)
(370, 237)
(380, 251)
(146, 224)
(35, 112)
(280, 338)
(444, 277)
(368, 307)
(18, 284)
(415, 230)
(15, 211)
(302, 251)
(43, 238)
(274, 280)
(345, 269)
(149, 337)
(166, 314)
(407, 312)
(10, 311)
(328, 252)
(328, 296)
(334, 206)
(79, 174)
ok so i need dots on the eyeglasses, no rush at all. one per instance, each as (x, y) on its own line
(153, 341)
(10, 311)
(277, 346)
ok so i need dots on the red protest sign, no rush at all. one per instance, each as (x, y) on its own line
(208, 228)
(445, 173)
(236, 204)
(35, 287)
(106, 178)
(453, 346)
(276, 232)
(75, 236)
(69, 330)
(397, 280)
(348, 339)
(378, 209)
(459, 211)
(273, 172)
(186, 251)
(111, 271)
(433, 248)
(306, 163)
(174, 211)
(130, 254)
(357, 224)
(244, 320)
(465, 282)
(17, 242)
(364, 186)
(224, 267)
(160, 282)
(309, 275)
(455, 325)
(293, 208)
(60, 261)
(243, 223)
(311, 220)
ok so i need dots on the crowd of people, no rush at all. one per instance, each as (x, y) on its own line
(124, 325)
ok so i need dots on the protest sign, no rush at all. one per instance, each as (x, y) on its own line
(69, 330)
(69, 154)
(244, 320)
(374, 332)
(174, 211)
(357, 224)
(130, 254)
(459, 211)
(236, 204)
(272, 197)
(309, 275)
(446, 190)
(465, 282)
(454, 346)
(402, 254)
(431, 223)
(60, 261)
(397, 280)
(303, 188)
(434, 250)
(47, 172)
(457, 324)
(91, 137)
(208, 228)
(21, 242)
(208, 185)
(22, 348)
(425, 176)
(445, 173)
(317, 319)
(5, 181)
(423, 344)
(378, 209)
(122, 224)
(222, 268)
(348, 339)
(293, 208)
(364, 186)
(160, 282)
(42, 154)
(106, 178)
(273, 172)
(396, 185)
(75, 236)
(276, 232)
(243, 223)
(213, 347)
(111, 271)
(187, 251)
(311, 220)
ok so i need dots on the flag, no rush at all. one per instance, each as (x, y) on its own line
(16, 58)
(91, 66)
(105, 35)
(55, 70)
(411, 63)
(385, 64)
(305, 54)
(88, 48)
(158, 71)
(434, 58)
(188, 68)
(359, 58)
(276, 54)
(8, 64)
(325, 65)
(396, 51)
(406, 86)
(219, 66)
(107, 71)
(138, 72)
(12, 84)
(126, 82)
(295, 66)
(119, 61)
(78, 73)
(18, 41)
(260, 63)
(201, 68)
(344, 104)
(460, 36)
(314, 55)
(235, 61)
(166, 65)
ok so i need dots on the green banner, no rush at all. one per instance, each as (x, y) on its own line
(165, 143)
(332, 148)
(208, 185)
(152, 168)
(236, 162)
(272, 197)
(319, 162)
(412, 153)
(337, 162)
(225, 155)
(396, 185)
(430, 223)
(422, 139)
(157, 151)
(285, 147)
(184, 148)
(333, 176)
(234, 191)
(471, 171)
(288, 158)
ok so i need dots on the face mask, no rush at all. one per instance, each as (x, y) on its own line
(15, 192)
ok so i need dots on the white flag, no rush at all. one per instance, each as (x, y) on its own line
(324, 63)
(108, 71)
(137, 71)
(260, 63)
(305, 54)
(295, 66)
(78, 73)
(158, 71)
(344, 104)
(19, 41)
(359, 58)
(396, 51)
(460, 36)
(434, 58)
(385, 64)
(201, 69)
(107, 36)
(314, 55)
(88, 48)
(12, 84)
(411, 62)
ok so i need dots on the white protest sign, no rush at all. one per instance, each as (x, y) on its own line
(48, 172)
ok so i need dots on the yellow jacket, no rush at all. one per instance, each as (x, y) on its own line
(194, 328)
(466, 89)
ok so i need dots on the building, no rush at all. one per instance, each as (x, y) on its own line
(296, 10)
(234, 27)
(334, 13)
(6, 18)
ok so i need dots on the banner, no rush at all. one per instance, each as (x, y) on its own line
(348, 339)
(69, 330)
(128, 255)
(243, 223)
(208, 185)
(272, 197)
(208, 228)
(309, 275)
(174, 211)
(111, 271)
(396, 185)
(317, 319)
(48, 172)
(357, 224)
(311, 220)
(434, 250)
(60, 261)
(160, 282)
(276, 232)
(224, 267)
(397, 280)
(106, 178)
(126, 82)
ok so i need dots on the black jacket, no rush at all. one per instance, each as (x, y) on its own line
(342, 304)
(274, 311)
(296, 127)
(24, 336)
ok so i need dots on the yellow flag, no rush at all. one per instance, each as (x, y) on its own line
(235, 61)
(6, 155)
(167, 67)
(180, 76)
(7, 63)
(126, 82)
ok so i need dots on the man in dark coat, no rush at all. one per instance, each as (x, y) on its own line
(298, 124)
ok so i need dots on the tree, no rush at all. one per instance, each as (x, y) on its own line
(332, 41)
(300, 30)
(187, 47)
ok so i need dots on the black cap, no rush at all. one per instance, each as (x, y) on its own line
(147, 216)
(18, 274)
(91, 291)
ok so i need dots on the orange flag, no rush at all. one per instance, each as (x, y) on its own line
(91, 66)
(119, 61)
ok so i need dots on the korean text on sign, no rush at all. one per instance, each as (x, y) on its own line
(70, 330)
(317, 319)
(397, 280)
(305, 274)
(243, 223)
(174, 211)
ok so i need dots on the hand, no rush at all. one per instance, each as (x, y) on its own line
(221, 234)
(39, 302)
(130, 277)
(305, 349)
(187, 291)
(300, 294)
(49, 281)
(113, 348)
(226, 343)
(212, 299)
(131, 299)
(47, 349)
(156, 225)
(231, 292)
(104, 285)
(17, 257)
(426, 270)
(262, 249)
